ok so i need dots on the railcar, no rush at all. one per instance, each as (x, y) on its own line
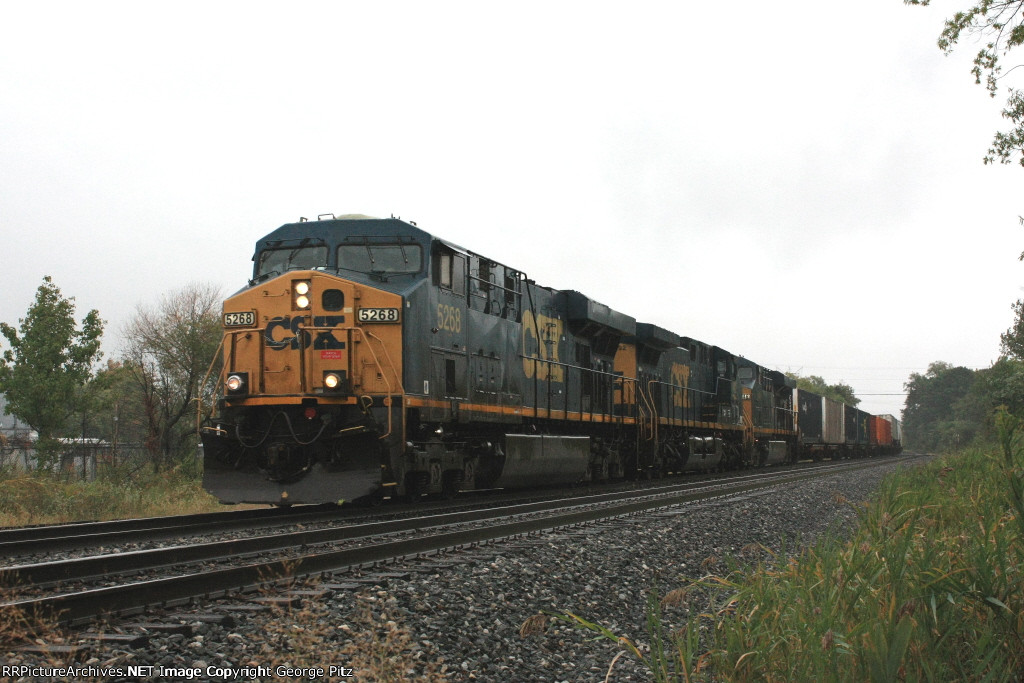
(368, 358)
(830, 429)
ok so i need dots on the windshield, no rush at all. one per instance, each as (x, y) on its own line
(294, 258)
(380, 258)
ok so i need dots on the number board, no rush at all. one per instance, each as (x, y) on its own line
(240, 319)
(379, 315)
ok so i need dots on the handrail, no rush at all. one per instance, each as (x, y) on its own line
(390, 394)
(206, 377)
(615, 376)
(653, 428)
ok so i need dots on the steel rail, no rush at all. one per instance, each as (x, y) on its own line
(61, 537)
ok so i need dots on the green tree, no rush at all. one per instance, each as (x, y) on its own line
(837, 392)
(933, 416)
(1012, 341)
(1000, 385)
(48, 362)
(168, 351)
(110, 408)
(997, 26)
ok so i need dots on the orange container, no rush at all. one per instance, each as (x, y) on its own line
(881, 431)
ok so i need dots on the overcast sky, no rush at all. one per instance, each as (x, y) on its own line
(798, 182)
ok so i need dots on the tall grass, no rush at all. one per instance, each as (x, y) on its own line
(929, 588)
(44, 498)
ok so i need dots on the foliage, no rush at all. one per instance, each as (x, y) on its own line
(111, 409)
(949, 406)
(998, 25)
(118, 492)
(168, 353)
(837, 392)
(678, 657)
(49, 361)
(927, 589)
(1012, 341)
(930, 417)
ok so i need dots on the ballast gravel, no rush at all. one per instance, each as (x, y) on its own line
(458, 616)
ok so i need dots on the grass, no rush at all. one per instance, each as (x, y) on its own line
(373, 643)
(43, 498)
(928, 588)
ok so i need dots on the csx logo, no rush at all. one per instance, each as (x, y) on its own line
(681, 378)
(541, 336)
(288, 332)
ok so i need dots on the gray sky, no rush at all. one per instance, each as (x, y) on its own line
(798, 182)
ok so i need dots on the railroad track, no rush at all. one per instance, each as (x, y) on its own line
(119, 535)
(42, 540)
(64, 588)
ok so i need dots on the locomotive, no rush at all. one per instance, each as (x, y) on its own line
(367, 359)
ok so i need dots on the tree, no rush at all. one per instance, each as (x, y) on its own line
(933, 415)
(1012, 341)
(998, 25)
(48, 362)
(168, 353)
(837, 392)
(111, 408)
(1000, 385)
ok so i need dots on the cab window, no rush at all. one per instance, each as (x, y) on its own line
(277, 261)
(380, 258)
(450, 271)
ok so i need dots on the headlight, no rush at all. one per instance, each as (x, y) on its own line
(237, 383)
(334, 381)
(300, 294)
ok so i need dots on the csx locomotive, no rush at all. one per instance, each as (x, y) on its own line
(367, 358)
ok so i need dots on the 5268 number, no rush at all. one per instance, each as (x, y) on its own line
(449, 318)
(378, 315)
(243, 319)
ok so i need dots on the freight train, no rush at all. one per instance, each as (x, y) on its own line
(367, 358)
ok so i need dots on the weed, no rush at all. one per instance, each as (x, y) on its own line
(929, 587)
(374, 644)
(45, 498)
(18, 627)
